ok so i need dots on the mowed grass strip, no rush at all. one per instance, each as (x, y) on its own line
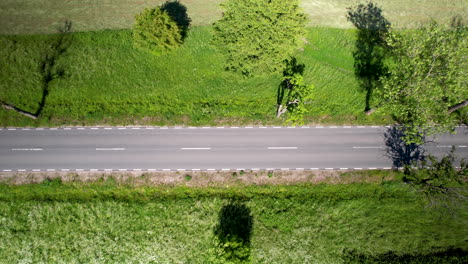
(105, 80)
(43, 16)
(291, 224)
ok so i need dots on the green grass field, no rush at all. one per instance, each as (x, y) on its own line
(111, 223)
(43, 16)
(106, 81)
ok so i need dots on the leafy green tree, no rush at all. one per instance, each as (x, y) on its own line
(293, 93)
(156, 32)
(259, 34)
(427, 81)
(440, 181)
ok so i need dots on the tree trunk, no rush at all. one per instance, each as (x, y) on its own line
(281, 110)
(370, 111)
(16, 109)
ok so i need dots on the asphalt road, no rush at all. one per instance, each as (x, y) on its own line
(213, 148)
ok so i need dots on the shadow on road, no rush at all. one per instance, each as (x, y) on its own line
(402, 154)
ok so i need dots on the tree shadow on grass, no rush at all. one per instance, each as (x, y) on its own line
(234, 231)
(48, 69)
(447, 256)
(292, 68)
(402, 154)
(370, 51)
(178, 12)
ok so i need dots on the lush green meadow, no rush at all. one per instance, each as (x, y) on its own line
(106, 80)
(101, 79)
(43, 16)
(111, 223)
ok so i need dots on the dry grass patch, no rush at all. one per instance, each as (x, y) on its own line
(203, 178)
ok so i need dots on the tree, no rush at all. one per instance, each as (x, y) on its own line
(439, 181)
(370, 52)
(296, 91)
(427, 80)
(156, 32)
(258, 35)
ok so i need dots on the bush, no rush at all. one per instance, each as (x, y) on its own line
(155, 31)
(258, 35)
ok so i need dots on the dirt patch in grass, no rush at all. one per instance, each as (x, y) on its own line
(203, 178)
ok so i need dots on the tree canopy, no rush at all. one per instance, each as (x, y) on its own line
(156, 32)
(427, 80)
(258, 35)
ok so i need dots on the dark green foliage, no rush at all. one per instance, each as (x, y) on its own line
(370, 52)
(438, 256)
(258, 35)
(155, 31)
(427, 79)
(440, 181)
(293, 93)
(178, 13)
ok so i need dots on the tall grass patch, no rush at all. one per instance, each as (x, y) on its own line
(291, 224)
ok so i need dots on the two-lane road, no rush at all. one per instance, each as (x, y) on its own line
(218, 148)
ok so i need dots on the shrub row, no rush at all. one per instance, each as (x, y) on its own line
(79, 192)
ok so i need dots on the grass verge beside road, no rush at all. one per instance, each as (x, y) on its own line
(103, 80)
(109, 221)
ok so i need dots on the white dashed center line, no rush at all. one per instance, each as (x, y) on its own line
(195, 148)
(282, 147)
(32, 149)
(115, 149)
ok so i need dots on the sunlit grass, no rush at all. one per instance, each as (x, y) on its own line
(107, 81)
(100, 223)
